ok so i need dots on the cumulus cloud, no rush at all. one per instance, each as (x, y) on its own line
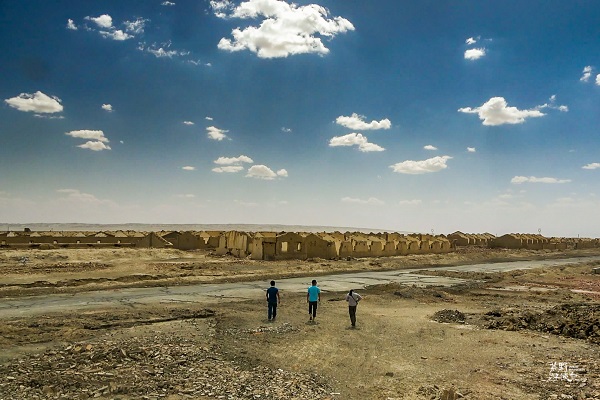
(286, 130)
(37, 102)
(286, 29)
(517, 180)
(474, 54)
(107, 107)
(136, 27)
(228, 169)
(471, 149)
(215, 133)
(116, 34)
(188, 168)
(598, 79)
(370, 201)
(188, 123)
(94, 145)
(357, 122)
(233, 160)
(103, 21)
(471, 41)
(355, 139)
(71, 25)
(208, 118)
(586, 74)
(591, 166)
(264, 172)
(497, 112)
(88, 134)
(411, 167)
(167, 3)
(430, 147)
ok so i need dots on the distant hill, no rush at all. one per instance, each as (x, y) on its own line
(184, 227)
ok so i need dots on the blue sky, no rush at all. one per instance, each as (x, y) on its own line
(397, 115)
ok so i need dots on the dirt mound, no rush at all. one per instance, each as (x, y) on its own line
(581, 321)
(452, 316)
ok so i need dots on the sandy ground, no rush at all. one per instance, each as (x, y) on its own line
(531, 334)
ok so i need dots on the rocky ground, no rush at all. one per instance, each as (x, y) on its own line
(531, 334)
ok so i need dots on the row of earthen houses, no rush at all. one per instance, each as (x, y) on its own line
(289, 245)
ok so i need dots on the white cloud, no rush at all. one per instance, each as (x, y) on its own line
(116, 34)
(283, 173)
(103, 21)
(186, 196)
(591, 166)
(88, 134)
(286, 29)
(598, 79)
(410, 167)
(233, 160)
(76, 196)
(229, 169)
(188, 168)
(188, 123)
(71, 25)
(414, 202)
(357, 122)
(216, 133)
(95, 146)
(552, 105)
(107, 107)
(135, 27)
(474, 54)
(49, 116)
(208, 118)
(471, 149)
(370, 201)
(471, 41)
(163, 51)
(37, 102)
(517, 180)
(167, 3)
(246, 203)
(587, 73)
(286, 130)
(430, 147)
(496, 112)
(264, 172)
(354, 139)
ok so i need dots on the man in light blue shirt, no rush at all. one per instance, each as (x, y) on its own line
(313, 296)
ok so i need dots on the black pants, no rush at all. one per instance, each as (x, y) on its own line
(272, 309)
(352, 312)
(312, 308)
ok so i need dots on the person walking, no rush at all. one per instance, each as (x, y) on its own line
(313, 296)
(353, 299)
(273, 301)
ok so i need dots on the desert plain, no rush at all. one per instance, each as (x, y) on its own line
(527, 333)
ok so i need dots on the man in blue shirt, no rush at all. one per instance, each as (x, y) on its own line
(313, 296)
(273, 300)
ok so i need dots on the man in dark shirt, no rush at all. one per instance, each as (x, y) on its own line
(273, 300)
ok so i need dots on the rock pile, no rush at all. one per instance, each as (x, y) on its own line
(149, 368)
(452, 316)
(581, 321)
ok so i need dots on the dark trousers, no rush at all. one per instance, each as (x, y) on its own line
(352, 312)
(312, 308)
(272, 310)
